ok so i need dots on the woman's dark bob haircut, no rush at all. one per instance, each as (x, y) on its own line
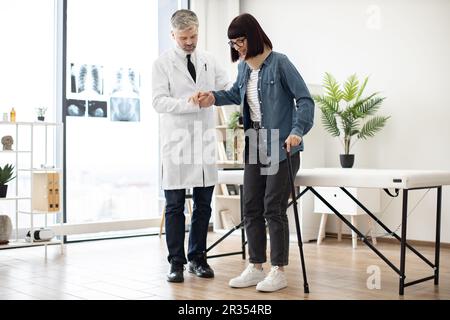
(245, 25)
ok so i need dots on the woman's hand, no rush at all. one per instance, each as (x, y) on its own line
(203, 99)
(206, 99)
(292, 141)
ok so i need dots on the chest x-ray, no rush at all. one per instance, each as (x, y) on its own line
(125, 102)
(86, 79)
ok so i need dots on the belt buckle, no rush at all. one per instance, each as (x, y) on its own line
(256, 125)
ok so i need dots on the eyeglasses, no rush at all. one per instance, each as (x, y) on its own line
(239, 43)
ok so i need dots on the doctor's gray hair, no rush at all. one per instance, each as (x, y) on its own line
(184, 19)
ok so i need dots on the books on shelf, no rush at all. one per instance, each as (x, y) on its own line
(225, 113)
(222, 154)
(235, 144)
(227, 219)
(222, 119)
(233, 190)
(229, 189)
(230, 145)
(223, 188)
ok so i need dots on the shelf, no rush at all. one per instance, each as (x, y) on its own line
(39, 212)
(224, 126)
(36, 123)
(15, 198)
(41, 170)
(13, 151)
(229, 164)
(42, 123)
(221, 196)
(23, 243)
(36, 171)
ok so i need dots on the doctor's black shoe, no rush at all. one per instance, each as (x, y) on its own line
(176, 272)
(200, 268)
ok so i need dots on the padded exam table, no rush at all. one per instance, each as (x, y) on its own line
(396, 180)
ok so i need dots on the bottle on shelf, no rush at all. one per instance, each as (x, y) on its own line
(12, 115)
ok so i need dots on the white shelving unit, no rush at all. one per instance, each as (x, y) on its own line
(222, 201)
(20, 196)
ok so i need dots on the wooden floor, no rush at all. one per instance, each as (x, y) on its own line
(135, 268)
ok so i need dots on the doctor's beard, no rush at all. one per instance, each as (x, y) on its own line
(189, 49)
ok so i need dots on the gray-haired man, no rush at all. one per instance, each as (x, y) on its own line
(177, 75)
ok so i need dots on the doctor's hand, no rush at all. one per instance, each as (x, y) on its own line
(194, 98)
(292, 141)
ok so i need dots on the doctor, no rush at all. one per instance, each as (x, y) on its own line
(187, 136)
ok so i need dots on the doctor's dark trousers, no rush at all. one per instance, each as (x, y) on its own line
(265, 200)
(175, 223)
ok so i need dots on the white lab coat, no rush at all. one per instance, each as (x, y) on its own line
(187, 133)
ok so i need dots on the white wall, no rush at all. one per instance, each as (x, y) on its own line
(403, 45)
(214, 17)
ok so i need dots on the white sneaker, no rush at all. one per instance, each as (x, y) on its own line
(249, 277)
(275, 280)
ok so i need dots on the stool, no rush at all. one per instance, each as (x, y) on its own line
(163, 214)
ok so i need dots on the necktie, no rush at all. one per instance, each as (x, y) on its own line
(191, 67)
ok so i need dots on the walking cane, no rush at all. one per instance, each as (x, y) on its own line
(297, 223)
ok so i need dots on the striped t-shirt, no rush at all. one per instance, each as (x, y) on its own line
(252, 96)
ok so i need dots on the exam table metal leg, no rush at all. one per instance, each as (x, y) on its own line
(438, 235)
(403, 242)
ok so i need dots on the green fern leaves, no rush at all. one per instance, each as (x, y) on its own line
(357, 118)
(6, 174)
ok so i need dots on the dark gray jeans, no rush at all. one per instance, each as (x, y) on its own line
(265, 199)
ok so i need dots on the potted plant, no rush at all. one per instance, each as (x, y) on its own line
(6, 175)
(41, 113)
(346, 112)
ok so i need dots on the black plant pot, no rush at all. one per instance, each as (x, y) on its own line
(347, 160)
(3, 190)
(41, 118)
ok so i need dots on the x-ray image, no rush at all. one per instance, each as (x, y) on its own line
(125, 109)
(76, 108)
(86, 79)
(97, 109)
(126, 81)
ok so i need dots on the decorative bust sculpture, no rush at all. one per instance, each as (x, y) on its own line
(7, 142)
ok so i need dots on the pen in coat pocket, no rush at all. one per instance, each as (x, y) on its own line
(206, 69)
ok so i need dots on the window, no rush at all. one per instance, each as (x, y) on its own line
(112, 150)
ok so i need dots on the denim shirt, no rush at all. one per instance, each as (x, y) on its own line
(285, 101)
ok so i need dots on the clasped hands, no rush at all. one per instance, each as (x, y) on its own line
(203, 99)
